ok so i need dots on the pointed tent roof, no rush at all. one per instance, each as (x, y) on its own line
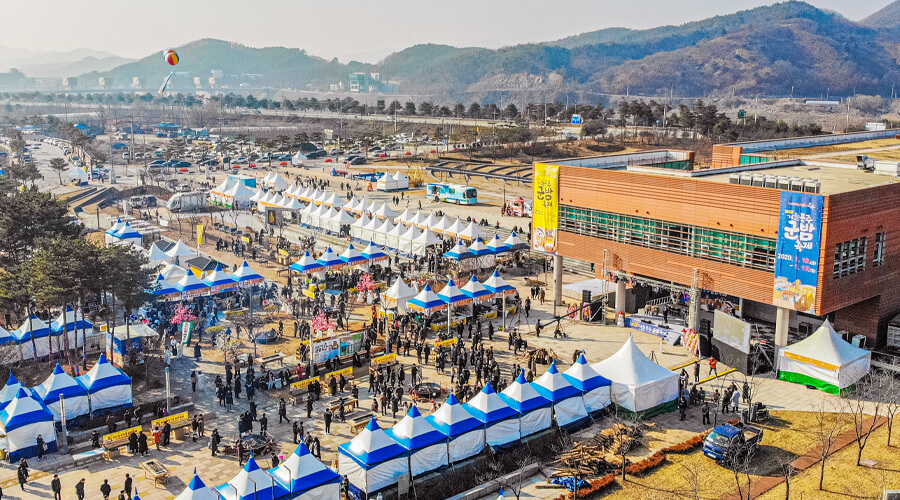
(426, 301)
(292, 204)
(826, 346)
(304, 470)
(341, 217)
(171, 271)
(190, 282)
(553, 386)
(360, 223)
(37, 329)
(307, 194)
(155, 254)
(197, 490)
(165, 288)
(478, 248)
(59, 383)
(258, 195)
(291, 190)
(405, 217)
(413, 432)
(410, 234)
(334, 201)
(427, 238)
(372, 252)
(24, 410)
(6, 336)
(103, 375)
(629, 366)
(385, 212)
(497, 284)
(251, 483)
(471, 232)
(399, 290)
(430, 222)
(451, 294)
(372, 446)
(115, 227)
(476, 291)
(513, 242)
(126, 231)
(353, 204)
(522, 397)
(246, 273)
(9, 391)
(371, 207)
(452, 419)
(456, 228)
(398, 176)
(240, 191)
(488, 407)
(307, 264)
(218, 277)
(583, 376)
(73, 321)
(458, 252)
(320, 196)
(278, 182)
(180, 250)
(330, 260)
(497, 246)
(351, 256)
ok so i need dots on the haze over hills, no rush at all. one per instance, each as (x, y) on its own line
(773, 50)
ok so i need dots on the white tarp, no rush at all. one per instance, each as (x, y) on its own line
(638, 383)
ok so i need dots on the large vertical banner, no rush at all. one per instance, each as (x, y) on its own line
(545, 209)
(797, 251)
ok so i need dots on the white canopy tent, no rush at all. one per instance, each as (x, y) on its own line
(638, 384)
(824, 360)
(397, 295)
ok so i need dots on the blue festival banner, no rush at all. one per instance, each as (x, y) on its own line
(797, 251)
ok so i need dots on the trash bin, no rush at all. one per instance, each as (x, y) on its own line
(745, 416)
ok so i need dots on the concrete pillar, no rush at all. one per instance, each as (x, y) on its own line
(557, 280)
(782, 323)
(620, 295)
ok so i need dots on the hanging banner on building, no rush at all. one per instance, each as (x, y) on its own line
(797, 251)
(545, 210)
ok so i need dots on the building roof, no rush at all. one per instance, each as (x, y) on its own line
(832, 180)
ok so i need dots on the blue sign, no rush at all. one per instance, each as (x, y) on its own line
(576, 119)
(797, 251)
(648, 328)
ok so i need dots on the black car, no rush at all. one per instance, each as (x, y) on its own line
(316, 154)
(359, 160)
(427, 390)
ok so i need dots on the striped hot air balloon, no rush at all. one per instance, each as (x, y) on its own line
(171, 57)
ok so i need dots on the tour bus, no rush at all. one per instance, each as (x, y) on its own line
(452, 193)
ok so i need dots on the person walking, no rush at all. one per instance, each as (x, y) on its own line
(79, 489)
(214, 441)
(40, 446)
(194, 382)
(105, 489)
(56, 487)
(263, 424)
(282, 410)
(697, 372)
(143, 449)
(127, 485)
(735, 400)
(22, 475)
(712, 367)
(704, 410)
(328, 417)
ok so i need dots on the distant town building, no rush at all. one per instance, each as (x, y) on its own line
(135, 83)
(70, 83)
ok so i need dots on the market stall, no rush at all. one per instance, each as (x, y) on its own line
(22, 421)
(501, 422)
(251, 483)
(372, 461)
(568, 405)
(535, 413)
(824, 360)
(638, 384)
(107, 386)
(304, 477)
(62, 385)
(427, 447)
(593, 386)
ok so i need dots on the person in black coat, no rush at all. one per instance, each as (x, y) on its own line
(22, 474)
(56, 487)
(143, 449)
(166, 434)
(127, 487)
(105, 489)
(79, 489)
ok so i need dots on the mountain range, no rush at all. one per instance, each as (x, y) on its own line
(786, 48)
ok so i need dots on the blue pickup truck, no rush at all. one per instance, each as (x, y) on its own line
(727, 442)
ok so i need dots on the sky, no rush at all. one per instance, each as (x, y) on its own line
(363, 30)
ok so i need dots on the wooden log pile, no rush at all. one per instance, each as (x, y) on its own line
(601, 453)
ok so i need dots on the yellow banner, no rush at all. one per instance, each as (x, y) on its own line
(810, 361)
(446, 342)
(245, 239)
(345, 371)
(178, 417)
(387, 358)
(284, 252)
(199, 234)
(545, 208)
(303, 383)
(115, 436)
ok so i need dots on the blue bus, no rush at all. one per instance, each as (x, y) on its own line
(452, 193)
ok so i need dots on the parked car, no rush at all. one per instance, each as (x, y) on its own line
(358, 160)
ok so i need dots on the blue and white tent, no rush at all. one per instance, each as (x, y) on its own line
(452, 295)
(73, 321)
(476, 291)
(458, 252)
(501, 422)
(466, 433)
(372, 461)
(498, 285)
(251, 483)
(219, 280)
(514, 243)
(8, 393)
(426, 445)
(478, 248)
(352, 257)
(307, 264)
(372, 253)
(6, 336)
(245, 275)
(568, 407)
(191, 285)
(197, 490)
(23, 420)
(535, 413)
(163, 286)
(306, 478)
(115, 227)
(37, 330)
(60, 383)
(107, 386)
(330, 260)
(496, 245)
(593, 386)
(125, 235)
(426, 302)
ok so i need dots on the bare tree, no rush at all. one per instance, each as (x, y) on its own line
(828, 419)
(863, 404)
(889, 392)
(788, 470)
(740, 461)
(694, 479)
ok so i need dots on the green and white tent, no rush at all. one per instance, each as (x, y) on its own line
(824, 360)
